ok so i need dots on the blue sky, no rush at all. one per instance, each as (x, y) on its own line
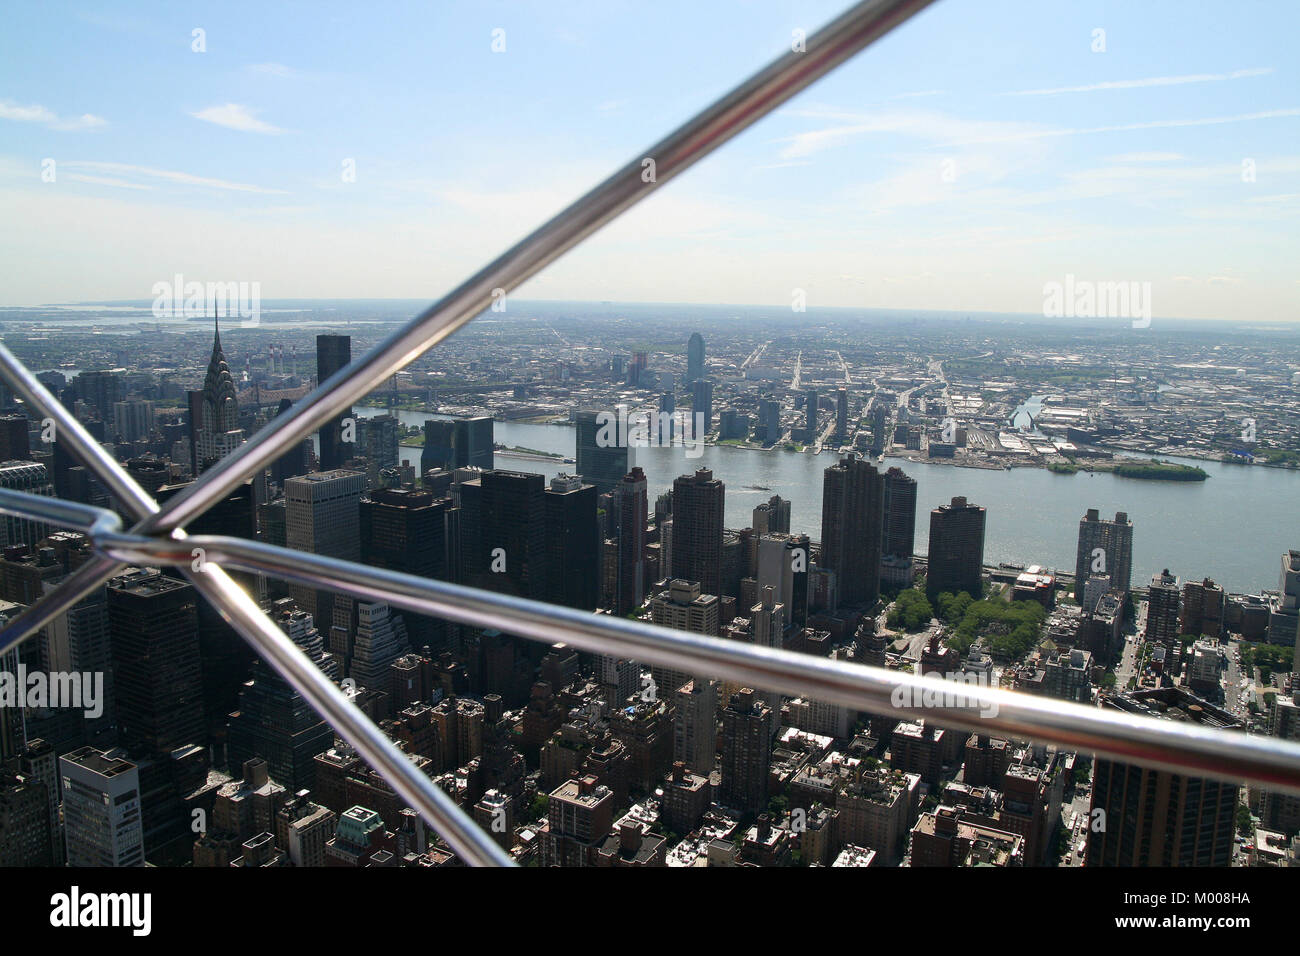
(979, 152)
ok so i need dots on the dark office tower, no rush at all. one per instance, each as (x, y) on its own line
(694, 357)
(853, 528)
(15, 443)
(24, 822)
(378, 438)
(698, 509)
(769, 420)
(810, 402)
(149, 471)
(842, 413)
(631, 504)
(293, 462)
(772, 516)
(665, 426)
(572, 543)
(746, 752)
(333, 352)
(406, 531)
(1162, 609)
(226, 656)
(457, 443)
(158, 680)
(1156, 818)
(511, 556)
(701, 407)
(32, 478)
(1105, 547)
(900, 513)
(956, 551)
(101, 389)
(323, 516)
(274, 722)
(603, 456)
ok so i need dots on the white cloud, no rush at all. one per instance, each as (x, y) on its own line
(1149, 81)
(235, 116)
(167, 175)
(39, 114)
(105, 181)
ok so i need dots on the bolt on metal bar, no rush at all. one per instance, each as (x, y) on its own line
(1177, 747)
(464, 836)
(698, 137)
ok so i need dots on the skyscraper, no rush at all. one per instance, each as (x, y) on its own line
(275, 722)
(701, 407)
(772, 516)
(842, 413)
(900, 514)
(694, 357)
(32, 478)
(853, 526)
(1105, 547)
(511, 553)
(1162, 609)
(323, 516)
(695, 725)
(810, 402)
(101, 809)
(333, 352)
(217, 432)
(158, 681)
(403, 530)
(956, 550)
(451, 443)
(603, 457)
(631, 504)
(746, 752)
(1156, 818)
(698, 512)
(572, 543)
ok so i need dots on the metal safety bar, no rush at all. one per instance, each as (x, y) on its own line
(158, 537)
(1178, 747)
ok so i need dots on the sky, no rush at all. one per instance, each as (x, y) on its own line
(967, 160)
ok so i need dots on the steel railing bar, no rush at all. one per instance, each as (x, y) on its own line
(1178, 747)
(452, 823)
(470, 841)
(698, 137)
(79, 441)
(94, 574)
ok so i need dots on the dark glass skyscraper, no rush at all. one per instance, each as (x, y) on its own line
(602, 453)
(956, 550)
(632, 504)
(694, 357)
(900, 513)
(458, 443)
(511, 526)
(853, 525)
(572, 543)
(157, 677)
(405, 531)
(333, 352)
(698, 510)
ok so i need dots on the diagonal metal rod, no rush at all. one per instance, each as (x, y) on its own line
(464, 836)
(1177, 747)
(698, 137)
(68, 430)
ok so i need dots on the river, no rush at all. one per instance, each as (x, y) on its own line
(1233, 527)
